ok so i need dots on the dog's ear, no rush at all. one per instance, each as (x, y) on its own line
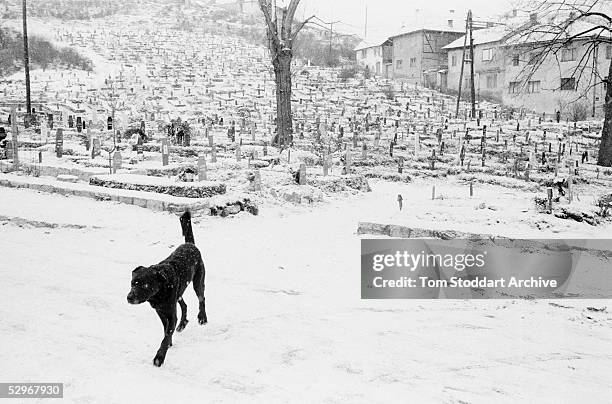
(137, 272)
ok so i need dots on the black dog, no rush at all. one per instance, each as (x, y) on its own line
(162, 285)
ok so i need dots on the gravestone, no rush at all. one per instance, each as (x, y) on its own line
(59, 143)
(95, 147)
(165, 151)
(117, 161)
(302, 174)
(15, 142)
(257, 181)
(348, 161)
(88, 139)
(202, 169)
(44, 132)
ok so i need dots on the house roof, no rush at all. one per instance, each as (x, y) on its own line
(371, 42)
(483, 36)
(426, 27)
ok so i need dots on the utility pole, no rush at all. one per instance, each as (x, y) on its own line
(594, 77)
(331, 35)
(26, 60)
(365, 31)
(473, 85)
(467, 27)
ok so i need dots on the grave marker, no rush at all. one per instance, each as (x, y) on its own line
(302, 174)
(59, 143)
(117, 161)
(165, 150)
(202, 169)
(15, 142)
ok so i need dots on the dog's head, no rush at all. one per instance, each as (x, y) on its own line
(145, 284)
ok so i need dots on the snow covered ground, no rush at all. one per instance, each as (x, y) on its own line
(283, 300)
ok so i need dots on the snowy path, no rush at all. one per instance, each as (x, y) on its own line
(286, 319)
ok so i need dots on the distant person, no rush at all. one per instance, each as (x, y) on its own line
(2, 134)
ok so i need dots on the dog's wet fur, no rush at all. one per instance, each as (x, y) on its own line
(163, 285)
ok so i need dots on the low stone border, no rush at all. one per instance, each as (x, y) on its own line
(147, 200)
(159, 185)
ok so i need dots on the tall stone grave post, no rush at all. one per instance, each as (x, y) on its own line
(165, 150)
(257, 181)
(15, 141)
(117, 161)
(348, 161)
(302, 174)
(202, 169)
(44, 131)
(59, 143)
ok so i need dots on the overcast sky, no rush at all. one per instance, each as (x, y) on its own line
(388, 16)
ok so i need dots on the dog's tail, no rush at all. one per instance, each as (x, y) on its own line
(186, 226)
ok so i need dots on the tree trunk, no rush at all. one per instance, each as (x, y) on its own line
(282, 73)
(605, 148)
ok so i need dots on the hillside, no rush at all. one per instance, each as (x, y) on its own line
(42, 54)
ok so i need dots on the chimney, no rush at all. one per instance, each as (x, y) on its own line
(533, 18)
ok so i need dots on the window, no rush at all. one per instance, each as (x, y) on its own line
(515, 87)
(492, 81)
(398, 63)
(609, 52)
(413, 62)
(515, 60)
(363, 53)
(568, 84)
(534, 58)
(533, 87)
(568, 55)
(487, 54)
(453, 60)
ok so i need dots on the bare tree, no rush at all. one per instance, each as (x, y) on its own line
(281, 34)
(554, 26)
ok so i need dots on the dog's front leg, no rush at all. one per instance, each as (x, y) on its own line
(167, 314)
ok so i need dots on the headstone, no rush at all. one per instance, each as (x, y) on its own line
(44, 131)
(257, 181)
(325, 165)
(302, 174)
(117, 161)
(15, 141)
(59, 143)
(202, 169)
(165, 150)
(95, 147)
(348, 161)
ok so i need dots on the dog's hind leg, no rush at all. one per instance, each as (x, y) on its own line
(198, 286)
(184, 321)
(167, 314)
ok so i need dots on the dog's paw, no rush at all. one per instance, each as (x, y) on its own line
(158, 361)
(182, 326)
(202, 319)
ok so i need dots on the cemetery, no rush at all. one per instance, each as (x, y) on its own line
(172, 119)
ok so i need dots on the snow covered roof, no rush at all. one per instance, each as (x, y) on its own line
(483, 36)
(406, 30)
(371, 42)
